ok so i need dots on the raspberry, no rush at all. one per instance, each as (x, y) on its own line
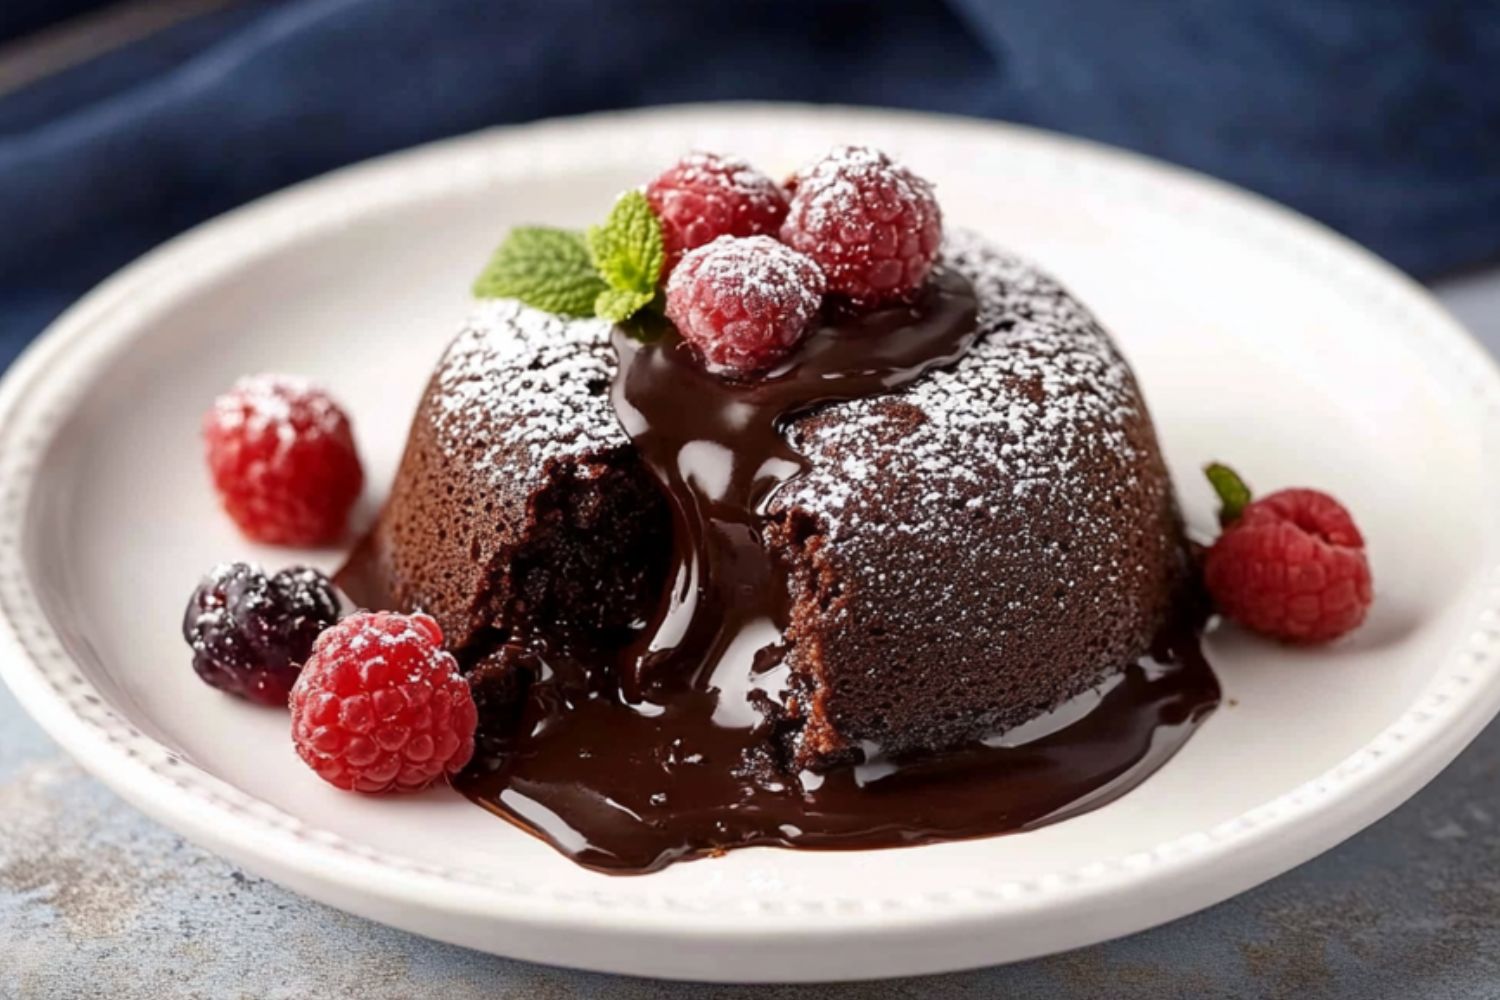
(283, 460)
(704, 196)
(1291, 565)
(873, 226)
(381, 706)
(744, 303)
(251, 632)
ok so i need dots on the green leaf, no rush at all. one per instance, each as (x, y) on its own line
(627, 250)
(546, 268)
(618, 305)
(1234, 495)
(610, 273)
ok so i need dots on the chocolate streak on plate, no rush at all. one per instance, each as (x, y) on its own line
(626, 762)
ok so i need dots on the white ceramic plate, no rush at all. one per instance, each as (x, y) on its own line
(1260, 339)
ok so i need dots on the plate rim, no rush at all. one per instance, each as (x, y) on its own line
(35, 400)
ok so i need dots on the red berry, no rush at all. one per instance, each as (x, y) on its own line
(744, 303)
(704, 196)
(283, 461)
(380, 706)
(1291, 566)
(873, 226)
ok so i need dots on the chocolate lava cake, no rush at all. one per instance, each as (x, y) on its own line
(960, 554)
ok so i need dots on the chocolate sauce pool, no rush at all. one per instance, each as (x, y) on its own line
(630, 789)
(630, 759)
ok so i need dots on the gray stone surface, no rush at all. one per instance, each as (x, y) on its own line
(96, 900)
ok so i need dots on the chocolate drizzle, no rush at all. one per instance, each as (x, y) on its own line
(664, 748)
(718, 450)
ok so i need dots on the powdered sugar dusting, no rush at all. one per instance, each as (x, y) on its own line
(873, 226)
(1040, 404)
(852, 181)
(1042, 373)
(283, 405)
(376, 639)
(757, 269)
(704, 195)
(734, 174)
(1041, 391)
(744, 301)
(543, 379)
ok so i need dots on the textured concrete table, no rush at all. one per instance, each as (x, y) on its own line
(96, 900)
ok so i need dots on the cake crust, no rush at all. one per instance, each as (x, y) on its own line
(976, 549)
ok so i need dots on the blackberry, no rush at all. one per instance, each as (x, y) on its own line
(251, 632)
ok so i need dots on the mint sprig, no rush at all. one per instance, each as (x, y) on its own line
(546, 268)
(611, 272)
(628, 249)
(617, 305)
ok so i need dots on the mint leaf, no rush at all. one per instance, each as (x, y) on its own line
(617, 305)
(628, 253)
(546, 268)
(610, 273)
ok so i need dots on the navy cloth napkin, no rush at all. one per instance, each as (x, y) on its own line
(1380, 118)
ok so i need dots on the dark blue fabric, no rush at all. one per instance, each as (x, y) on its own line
(21, 17)
(1382, 119)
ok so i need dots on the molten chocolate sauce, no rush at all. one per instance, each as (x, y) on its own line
(630, 789)
(718, 451)
(628, 761)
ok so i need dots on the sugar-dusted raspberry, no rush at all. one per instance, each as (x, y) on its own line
(704, 196)
(283, 460)
(744, 302)
(381, 706)
(873, 226)
(251, 632)
(1291, 565)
